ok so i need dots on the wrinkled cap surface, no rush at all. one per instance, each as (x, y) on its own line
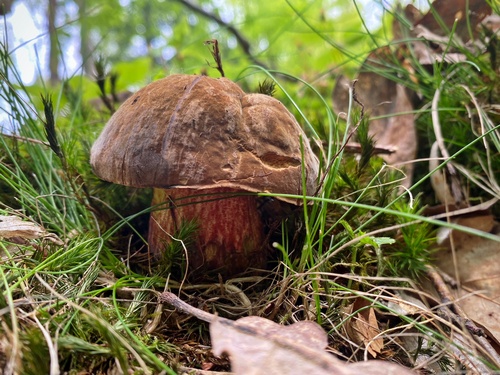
(199, 132)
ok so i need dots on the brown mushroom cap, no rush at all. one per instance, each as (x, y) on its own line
(199, 132)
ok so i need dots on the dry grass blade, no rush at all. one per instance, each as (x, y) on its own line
(454, 181)
(51, 344)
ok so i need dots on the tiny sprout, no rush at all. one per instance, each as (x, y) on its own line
(267, 87)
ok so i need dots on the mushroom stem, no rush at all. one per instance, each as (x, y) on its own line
(230, 236)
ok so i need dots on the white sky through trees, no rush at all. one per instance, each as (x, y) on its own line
(25, 25)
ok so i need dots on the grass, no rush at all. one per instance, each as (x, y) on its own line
(87, 296)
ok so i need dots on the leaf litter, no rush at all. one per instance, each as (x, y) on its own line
(257, 345)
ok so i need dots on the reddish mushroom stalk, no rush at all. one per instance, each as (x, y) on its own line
(229, 233)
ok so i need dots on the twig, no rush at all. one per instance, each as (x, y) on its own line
(440, 211)
(157, 315)
(26, 139)
(194, 371)
(242, 41)
(281, 296)
(455, 314)
(174, 301)
(458, 316)
(448, 279)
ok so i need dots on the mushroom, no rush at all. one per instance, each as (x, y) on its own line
(206, 147)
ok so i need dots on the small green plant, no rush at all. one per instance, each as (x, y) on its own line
(173, 259)
(413, 251)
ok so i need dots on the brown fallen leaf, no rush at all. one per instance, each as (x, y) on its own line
(390, 104)
(254, 351)
(474, 262)
(405, 304)
(14, 226)
(259, 346)
(466, 15)
(390, 108)
(362, 327)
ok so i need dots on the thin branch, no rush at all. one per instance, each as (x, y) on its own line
(174, 301)
(26, 139)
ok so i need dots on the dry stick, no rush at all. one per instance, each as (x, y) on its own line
(245, 44)
(456, 314)
(460, 317)
(194, 371)
(281, 297)
(151, 326)
(174, 301)
(26, 139)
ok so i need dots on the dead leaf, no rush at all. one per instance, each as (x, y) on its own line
(389, 106)
(475, 263)
(464, 14)
(389, 103)
(257, 345)
(14, 226)
(254, 350)
(445, 181)
(465, 17)
(411, 16)
(362, 327)
(404, 304)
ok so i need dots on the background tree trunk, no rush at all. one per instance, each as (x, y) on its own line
(53, 45)
(5, 6)
(85, 44)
